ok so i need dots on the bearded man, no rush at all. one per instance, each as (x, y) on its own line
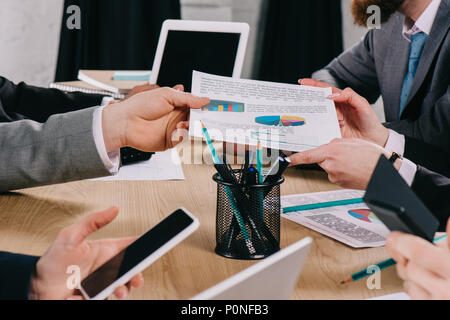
(407, 62)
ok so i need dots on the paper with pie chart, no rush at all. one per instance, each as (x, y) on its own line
(364, 215)
(355, 225)
(281, 116)
(282, 121)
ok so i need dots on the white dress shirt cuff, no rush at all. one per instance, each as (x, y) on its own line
(111, 160)
(106, 100)
(395, 143)
(408, 171)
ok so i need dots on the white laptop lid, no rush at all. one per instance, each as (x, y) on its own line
(274, 278)
(207, 46)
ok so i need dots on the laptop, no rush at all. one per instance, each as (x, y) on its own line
(274, 278)
(207, 46)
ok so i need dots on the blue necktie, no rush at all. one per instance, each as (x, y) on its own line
(418, 41)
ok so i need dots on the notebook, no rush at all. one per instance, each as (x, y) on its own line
(132, 75)
(80, 86)
(104, 80)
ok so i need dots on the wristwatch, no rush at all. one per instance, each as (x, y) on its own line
(394, 157)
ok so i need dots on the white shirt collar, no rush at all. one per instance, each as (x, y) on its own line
(424, 23)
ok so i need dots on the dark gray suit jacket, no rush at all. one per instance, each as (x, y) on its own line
(434, 190)
(60, 150)
(22, 101)
(378, 64)
(58, 146)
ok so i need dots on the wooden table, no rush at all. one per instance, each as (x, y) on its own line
(30, 220)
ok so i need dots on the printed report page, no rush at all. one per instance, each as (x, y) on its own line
(280, 116)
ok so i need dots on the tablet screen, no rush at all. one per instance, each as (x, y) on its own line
(186, 51)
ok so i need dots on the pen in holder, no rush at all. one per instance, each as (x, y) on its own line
(248, 218)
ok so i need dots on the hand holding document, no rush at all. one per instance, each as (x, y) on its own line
(341, 215)
(280, 116)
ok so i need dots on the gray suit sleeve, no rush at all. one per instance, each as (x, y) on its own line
(355, 68)
(60, 150)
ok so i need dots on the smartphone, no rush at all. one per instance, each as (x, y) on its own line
(396, 205)
(131, 156)
(134, 259)
(397, 219)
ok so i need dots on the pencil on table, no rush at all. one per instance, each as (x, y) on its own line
(381, 265)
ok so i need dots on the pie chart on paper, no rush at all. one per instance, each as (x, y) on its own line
(281, 121)
(364, 215)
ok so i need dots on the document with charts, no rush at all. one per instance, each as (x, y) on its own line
(354, 225)
(281, 116)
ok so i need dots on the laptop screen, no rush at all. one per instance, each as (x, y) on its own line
(186, 51)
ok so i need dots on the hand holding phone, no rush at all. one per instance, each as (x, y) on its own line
(139, 255)
(72, 257)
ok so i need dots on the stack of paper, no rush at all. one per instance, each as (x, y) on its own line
(116, 84)
(105, 80)
(162, 166)
(81, 86)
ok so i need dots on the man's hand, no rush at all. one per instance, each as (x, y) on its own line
(149, 87)
(147, 120)
(356, 116)
(72, 249)
(348, 162)
(424, 267)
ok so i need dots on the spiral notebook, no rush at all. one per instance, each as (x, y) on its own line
(105, 80)
(81, 86)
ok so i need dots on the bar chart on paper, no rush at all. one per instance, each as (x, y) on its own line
(224, 106)
(281, 121)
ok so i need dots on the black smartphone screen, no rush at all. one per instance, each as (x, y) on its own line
(186, 51)
(136, 252)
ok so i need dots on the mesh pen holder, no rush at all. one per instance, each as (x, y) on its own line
(248, 229)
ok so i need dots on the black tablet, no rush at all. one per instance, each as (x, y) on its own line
(212, 47)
